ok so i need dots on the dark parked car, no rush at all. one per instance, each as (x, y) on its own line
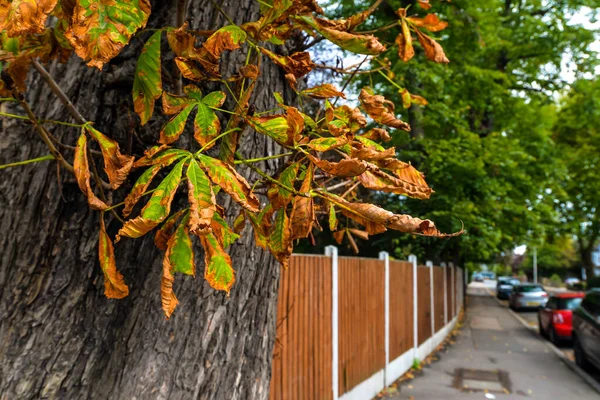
(555, 319)
(528, 295)
(586, 330)
(504, 287)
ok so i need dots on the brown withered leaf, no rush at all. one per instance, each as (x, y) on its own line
(404, 43)
(381, 110)
(303, 210)
(167, 229)
(298, 64)
(227, 38)
(377, 134)
(352, 242)
(292, 81)
(352, 117)
(324, 91)
(376, 179)
(404, 171)
(201, 198)
(361, 234)
(339, 236)
(280, 241)
(431, 22)
(424, 4)
(168, 299)
(22, 17)
(433, 50)
(409, 99)
(100, 29)
(346, 167)
(261, 223)
(82, 174)
(249, 71)
(403, 223)
(114, 284)
(240, 222)
(356, 43)
(370, 154)
(116, 165)
(183, 43)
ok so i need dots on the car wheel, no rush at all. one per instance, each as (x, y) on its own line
(553, 336)
(543, 333)
(580, 358)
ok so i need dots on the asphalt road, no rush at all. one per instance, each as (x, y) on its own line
(531, 317)
(494, 357)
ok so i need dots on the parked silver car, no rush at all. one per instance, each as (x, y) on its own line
(528, 295)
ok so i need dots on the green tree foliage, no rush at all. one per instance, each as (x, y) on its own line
(577, 134)
(484, 141)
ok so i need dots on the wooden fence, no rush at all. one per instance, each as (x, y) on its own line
(346, 326)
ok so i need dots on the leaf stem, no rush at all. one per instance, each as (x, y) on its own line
(390, 81)
(253, 160)
(269, 178)
(25, 162)
(217, 138)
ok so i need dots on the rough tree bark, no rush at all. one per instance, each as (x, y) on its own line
(59, 336)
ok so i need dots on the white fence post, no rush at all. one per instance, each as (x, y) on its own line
(445, 294)
(332, 251)
(412, 258)
(429, 265)
(383, 255)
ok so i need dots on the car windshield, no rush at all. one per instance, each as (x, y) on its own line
(514, 282)
(569, 304)
(530, 288)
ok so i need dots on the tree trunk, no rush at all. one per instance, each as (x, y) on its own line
(586, 260)
(59, 336)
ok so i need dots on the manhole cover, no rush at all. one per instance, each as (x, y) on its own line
(481, 380)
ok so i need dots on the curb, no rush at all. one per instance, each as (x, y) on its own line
(582, 374)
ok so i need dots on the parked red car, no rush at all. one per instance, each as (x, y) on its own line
(556, 318)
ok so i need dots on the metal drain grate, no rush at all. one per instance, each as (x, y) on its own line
(482, 380)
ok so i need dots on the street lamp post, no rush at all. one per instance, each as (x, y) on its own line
(535, 278)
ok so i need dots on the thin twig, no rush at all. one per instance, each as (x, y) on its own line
(58, 92)
(42, 133)
(350, 78)
(347, 70)
(25, 162)
(179, 21)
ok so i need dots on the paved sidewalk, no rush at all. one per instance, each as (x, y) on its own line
(492, 340)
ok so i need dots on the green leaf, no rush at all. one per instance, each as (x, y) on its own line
(206, 123)
(206, 126)
(147, 82)
(280, 241)
(139, 188)
(201, 198)
(218, 271)
(181, 255)
(174, 128)
(157, 208)
(230, 181)
(100, 29)
(327, 143)
(278, 196)
(333, 221)
(222, 231)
